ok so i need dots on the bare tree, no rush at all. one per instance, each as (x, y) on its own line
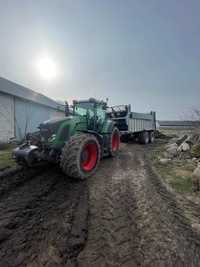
(196, 115)
(196, 119)
(196, 129)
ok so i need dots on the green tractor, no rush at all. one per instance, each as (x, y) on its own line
(76, 142)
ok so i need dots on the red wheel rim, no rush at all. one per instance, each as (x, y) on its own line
(115, 141)
(89, 157)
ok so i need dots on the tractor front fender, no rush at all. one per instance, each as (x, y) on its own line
(97, 135)
(108, 127)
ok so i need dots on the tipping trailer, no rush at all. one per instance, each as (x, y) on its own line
(140, 126)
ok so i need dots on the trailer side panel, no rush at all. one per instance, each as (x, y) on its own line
(138, 122)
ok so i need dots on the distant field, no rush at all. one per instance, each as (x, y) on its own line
(176, 131)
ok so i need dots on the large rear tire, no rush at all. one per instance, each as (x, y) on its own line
(151, 137)
(80, 156)
(144, 137)
(114, 142)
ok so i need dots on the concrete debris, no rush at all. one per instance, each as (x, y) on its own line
(172, 150)
(164, 160)
(183, 147)
(196, 178)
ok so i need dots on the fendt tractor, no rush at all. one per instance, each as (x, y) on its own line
(76, 142)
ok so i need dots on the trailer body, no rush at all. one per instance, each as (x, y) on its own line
(133, 124)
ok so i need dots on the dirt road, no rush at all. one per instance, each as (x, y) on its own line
(126, 214)
(43, 219)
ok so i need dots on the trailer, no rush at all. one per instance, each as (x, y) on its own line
(133, 125)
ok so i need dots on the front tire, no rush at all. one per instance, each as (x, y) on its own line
(80, 156)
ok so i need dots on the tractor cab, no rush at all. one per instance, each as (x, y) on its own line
(92, 110)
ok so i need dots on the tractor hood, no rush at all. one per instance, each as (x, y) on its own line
(53, 124)
(55, 121)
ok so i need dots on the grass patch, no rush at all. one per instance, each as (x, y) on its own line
(182, 184)
(5, 158)
(177, 173)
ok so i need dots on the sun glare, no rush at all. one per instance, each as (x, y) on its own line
(47, 68)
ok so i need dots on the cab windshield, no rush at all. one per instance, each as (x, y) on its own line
(90, 109)
(83, 108)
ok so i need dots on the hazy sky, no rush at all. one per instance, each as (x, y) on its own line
(142, 52)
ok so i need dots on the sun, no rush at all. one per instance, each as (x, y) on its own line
(47, 68)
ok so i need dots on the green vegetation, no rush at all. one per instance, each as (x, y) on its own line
(5, 157)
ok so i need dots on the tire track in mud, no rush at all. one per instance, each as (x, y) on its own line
(38, 219)
(134, 220)
(111, 239)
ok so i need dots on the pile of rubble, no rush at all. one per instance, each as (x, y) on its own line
(184, 147)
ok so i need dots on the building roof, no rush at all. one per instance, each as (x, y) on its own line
(17, 90)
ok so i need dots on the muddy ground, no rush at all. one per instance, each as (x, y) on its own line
(122, 216)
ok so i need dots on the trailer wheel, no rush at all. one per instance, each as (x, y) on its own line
(151, 137)
(144, 137)
(80, 156)
(114, 141)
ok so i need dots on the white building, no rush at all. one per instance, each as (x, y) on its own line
(22, 110)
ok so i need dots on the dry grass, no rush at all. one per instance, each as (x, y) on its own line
(6, 157)
(177, 173)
